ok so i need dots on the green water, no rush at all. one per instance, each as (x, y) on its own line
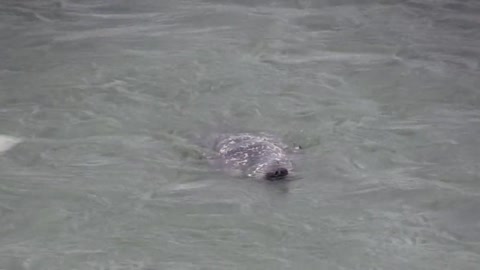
(105, 96)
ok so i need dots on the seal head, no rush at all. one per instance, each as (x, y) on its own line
(254, 156)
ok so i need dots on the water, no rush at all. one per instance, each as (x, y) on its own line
(105, 96)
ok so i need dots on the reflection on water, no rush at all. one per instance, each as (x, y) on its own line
(102, 103)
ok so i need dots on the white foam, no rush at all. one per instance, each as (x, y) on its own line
(8, 142)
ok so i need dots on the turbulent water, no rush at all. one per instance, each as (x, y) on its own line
(99, 100)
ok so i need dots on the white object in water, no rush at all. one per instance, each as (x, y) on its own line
(8, 142)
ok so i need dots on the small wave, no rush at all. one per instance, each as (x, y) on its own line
(8, 142)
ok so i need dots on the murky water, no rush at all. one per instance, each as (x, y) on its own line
(104, 96)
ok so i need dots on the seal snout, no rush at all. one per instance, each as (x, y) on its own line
(277, 173)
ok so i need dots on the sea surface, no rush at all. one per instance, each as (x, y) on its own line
(100, 100)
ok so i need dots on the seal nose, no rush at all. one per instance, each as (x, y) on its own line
(277, 173)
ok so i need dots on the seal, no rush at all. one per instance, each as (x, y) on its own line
(259, 156)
